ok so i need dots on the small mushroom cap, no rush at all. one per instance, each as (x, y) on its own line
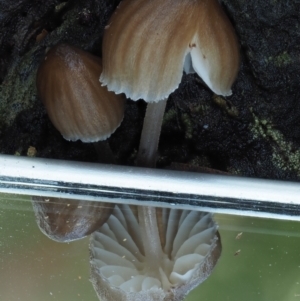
(77, 104)
(65, 220)
(214, 51)
(191, 247)
(148, 44)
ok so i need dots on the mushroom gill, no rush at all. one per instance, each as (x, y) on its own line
(148, 44)
(136, 256)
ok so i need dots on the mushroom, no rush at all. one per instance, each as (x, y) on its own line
(65, 220)
(78, 106)
(162, 257)
(148, 44)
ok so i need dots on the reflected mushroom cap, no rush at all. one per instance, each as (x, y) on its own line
(148, 44)
(191, 248)
(77, 104)
(65, 220)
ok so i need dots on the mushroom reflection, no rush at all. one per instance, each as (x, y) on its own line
(155, 257)
(65, 220)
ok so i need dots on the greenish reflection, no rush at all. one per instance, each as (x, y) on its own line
(33, 267)
(266, 268)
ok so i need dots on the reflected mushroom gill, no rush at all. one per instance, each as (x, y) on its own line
(132, 260)
(65, 220)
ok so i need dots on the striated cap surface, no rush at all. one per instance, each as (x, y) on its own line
(78, 106)
(148, 44)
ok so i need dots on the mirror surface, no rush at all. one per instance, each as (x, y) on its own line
(260, 260)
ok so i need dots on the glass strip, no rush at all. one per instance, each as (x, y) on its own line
(152, 187)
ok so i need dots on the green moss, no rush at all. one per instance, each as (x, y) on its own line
(188, 125)
(18, 90)
(199, 109)
(220, 101)
(169, 116)
(280, 60)
(285, 155)
(225, 106)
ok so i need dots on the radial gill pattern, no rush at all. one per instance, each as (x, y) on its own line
(120, 269)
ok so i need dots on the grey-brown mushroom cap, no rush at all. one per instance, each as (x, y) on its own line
(77, 104)
(65, 220)
(191, 248)
(215, 54)
(148, 44)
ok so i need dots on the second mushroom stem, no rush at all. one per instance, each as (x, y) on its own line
(146, 157)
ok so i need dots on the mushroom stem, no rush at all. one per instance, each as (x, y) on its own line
(150, 238)
(147, 158)
(150, 134)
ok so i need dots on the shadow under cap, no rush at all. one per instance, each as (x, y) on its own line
(148, 44)
(123, 268)
(78, 106)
